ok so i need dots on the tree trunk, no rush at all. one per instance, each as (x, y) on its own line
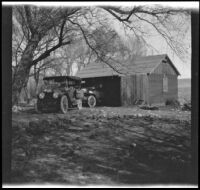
(22, 72)
(36, 76)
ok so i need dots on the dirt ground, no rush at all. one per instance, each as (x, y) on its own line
(102, 146)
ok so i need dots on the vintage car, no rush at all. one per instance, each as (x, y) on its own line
(92, 96)
(60, 93)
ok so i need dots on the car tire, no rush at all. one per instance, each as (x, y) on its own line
(91, 101)
(64, 104)
(37, 110)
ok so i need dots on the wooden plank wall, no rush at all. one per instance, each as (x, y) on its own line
(149, 87)
(172, 88)
(155, 88)
(164, 68)
(156, 94)
(145, 89)
(133, 88)
(127, 90)
(123, 91)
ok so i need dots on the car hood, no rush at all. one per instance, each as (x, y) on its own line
(49, 90)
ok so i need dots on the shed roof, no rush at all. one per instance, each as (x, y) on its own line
(138, 65)
(61, 78)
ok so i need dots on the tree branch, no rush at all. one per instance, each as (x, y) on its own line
(29, 19)
(47, 53)
(61, 31)
(162, 33)
(60, 43)
(112, 9)
(139, 9)
(120, 11)
(93, 49)
(17, 50)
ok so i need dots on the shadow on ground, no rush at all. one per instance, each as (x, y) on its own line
(91, 147)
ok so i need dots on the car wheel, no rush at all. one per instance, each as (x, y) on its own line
(36, 108)
(79, 104)
(64, 104)
(92, 101)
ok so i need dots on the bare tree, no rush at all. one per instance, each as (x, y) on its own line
(145, 21)
(39, 26)
(47, 29)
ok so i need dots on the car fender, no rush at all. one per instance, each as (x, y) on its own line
(87, 94)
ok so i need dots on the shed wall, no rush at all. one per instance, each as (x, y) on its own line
(155, 88)
(156, 93)
(173, 88)
(134, 87)
(164, 67)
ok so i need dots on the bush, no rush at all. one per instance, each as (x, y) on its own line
(149, 107)
(172, 102)
(139, 102)
(187, 106)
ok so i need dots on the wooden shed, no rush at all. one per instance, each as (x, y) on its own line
(149, 79)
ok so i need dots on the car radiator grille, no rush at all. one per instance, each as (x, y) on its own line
(48, 102)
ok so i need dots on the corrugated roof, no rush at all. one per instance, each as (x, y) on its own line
(138, 65)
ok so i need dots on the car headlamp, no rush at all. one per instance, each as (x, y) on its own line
(41, 95)
(55, 95)
(47, 90)
(90, 91)
(84, 89)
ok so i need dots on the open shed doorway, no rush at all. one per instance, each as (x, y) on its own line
(110, 86)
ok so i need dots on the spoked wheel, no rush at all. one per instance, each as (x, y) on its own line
(79, 104)
(64, 104)
(92, 101)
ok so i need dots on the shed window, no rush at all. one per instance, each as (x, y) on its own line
(165, 83)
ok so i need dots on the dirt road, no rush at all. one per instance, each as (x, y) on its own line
(104, 146)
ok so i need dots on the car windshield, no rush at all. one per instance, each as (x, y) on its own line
(53, 83)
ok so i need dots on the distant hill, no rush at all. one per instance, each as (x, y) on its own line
(184, 89)
(184, 82)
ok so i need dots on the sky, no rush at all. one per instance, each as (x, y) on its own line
(184, 67)
(159, 43)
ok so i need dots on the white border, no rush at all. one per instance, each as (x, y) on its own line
(179, 4)
(99, 186)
